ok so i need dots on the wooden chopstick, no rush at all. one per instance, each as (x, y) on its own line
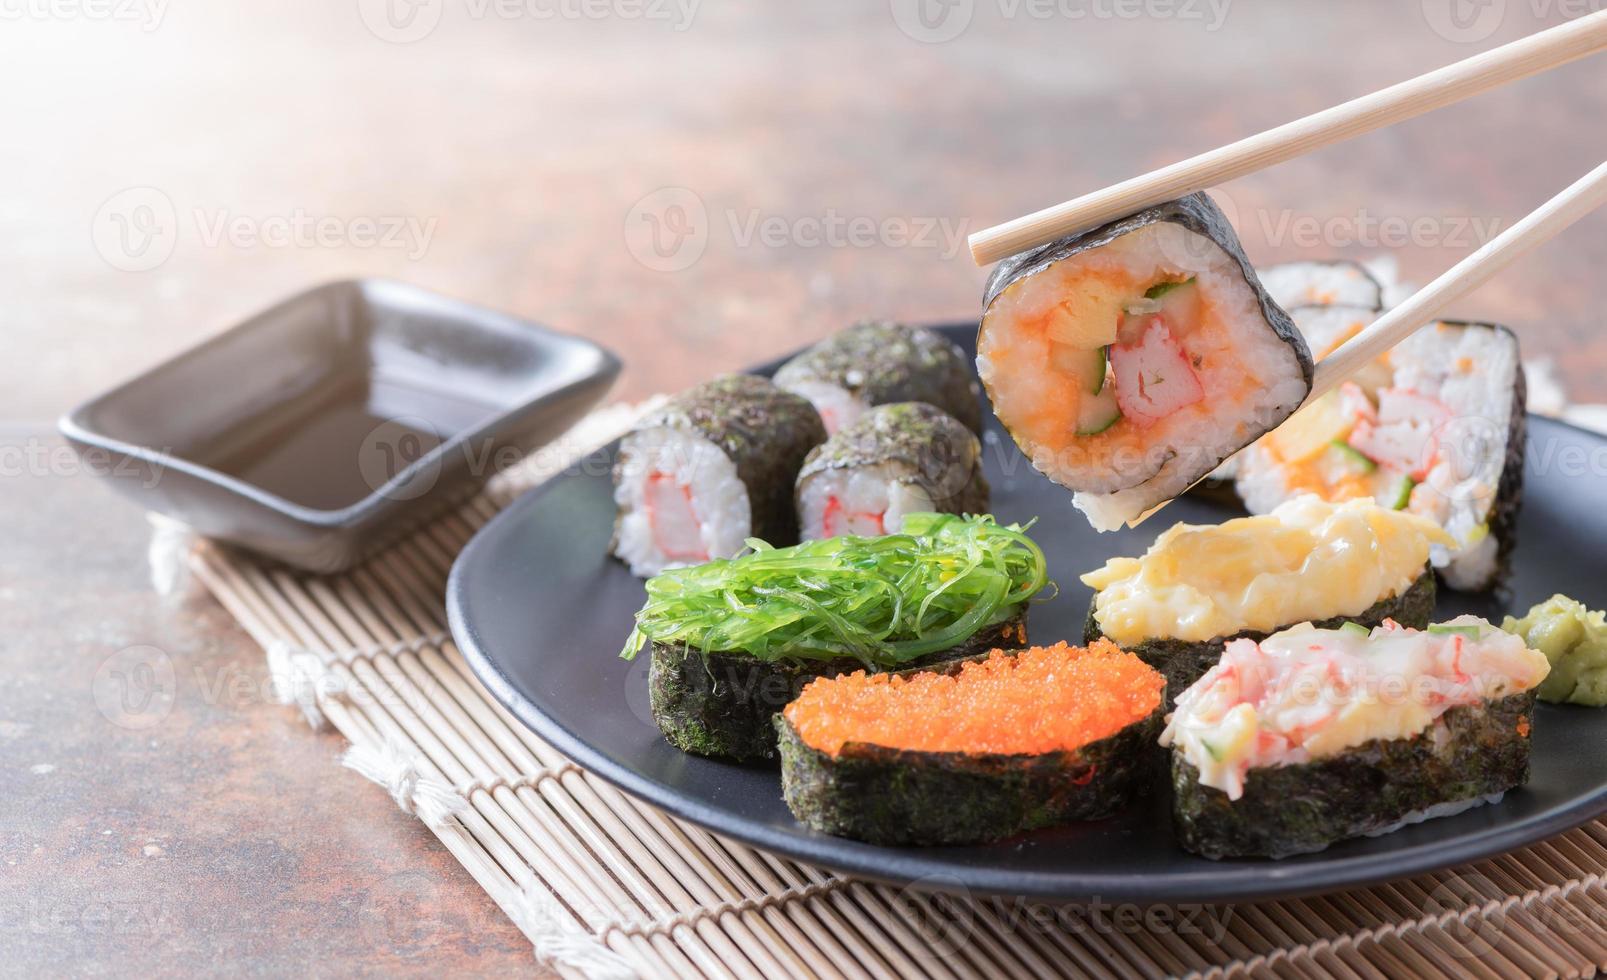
(1437, 89)
(1427, 304)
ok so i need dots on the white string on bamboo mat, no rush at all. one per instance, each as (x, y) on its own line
(301, 676)
(526, 780)
(691, 917)
(533, 911)
(396, 768)
(168, 555)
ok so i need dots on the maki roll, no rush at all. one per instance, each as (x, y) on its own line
(878, 363)
(897, 459)
(1199, 588)
(1325, 328)
(1127, 362)
(1312, 736)
(1436, 428)
(714, 467)
(1332, 283)
(732, 641)
(978, 751)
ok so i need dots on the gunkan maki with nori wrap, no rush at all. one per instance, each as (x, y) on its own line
(983, 749)
(1128, 361)
(897, 459)
(712, 468)
(1200, 587)
(1437, 428)
(732, 641)
(878, 363)
(1313, 736)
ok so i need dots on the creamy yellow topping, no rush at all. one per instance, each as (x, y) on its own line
(1307, 560)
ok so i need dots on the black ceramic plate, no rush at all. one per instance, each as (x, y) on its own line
(541, 612)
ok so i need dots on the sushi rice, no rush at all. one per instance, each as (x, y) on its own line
(897, 459)
(684, 504)
(1331, 283)
(865, 500)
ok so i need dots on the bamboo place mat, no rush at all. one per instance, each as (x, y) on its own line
(606, 886)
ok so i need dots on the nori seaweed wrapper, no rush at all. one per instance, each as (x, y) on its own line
(719, 704)
(881, 362)
(885, 795)
(1196, 213)
(765, 431)
(1184, 661)
(930, 448)
(1301, 808)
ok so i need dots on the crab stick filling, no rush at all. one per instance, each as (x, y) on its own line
(1403, 446)
(677, 531)
(1307, 694)
(1099, 357)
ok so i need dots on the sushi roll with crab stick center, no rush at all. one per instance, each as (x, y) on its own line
(897, 459)
(1435, 427)
(1129, 361)
(879, 363)
(712, 468)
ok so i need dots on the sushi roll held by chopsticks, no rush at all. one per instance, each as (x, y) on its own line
(1128, 361)
(897, 459)
(1312, 736)
(709, 470)
(879, 363)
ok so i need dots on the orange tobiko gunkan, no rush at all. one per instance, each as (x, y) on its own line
(1045, 699)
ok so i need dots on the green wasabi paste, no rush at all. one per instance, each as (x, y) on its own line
(1574, 639)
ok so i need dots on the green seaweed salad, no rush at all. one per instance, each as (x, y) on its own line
(883, 600)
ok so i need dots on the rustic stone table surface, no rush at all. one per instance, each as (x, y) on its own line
(697, 186)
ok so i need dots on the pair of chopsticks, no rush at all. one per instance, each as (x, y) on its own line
(1437, 89)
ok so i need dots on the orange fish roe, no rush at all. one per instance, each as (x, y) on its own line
(1030, 702)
